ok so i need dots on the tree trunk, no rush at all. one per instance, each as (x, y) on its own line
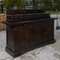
(34, 4)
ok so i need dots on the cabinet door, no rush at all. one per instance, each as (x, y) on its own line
(35, 33)
(47, 30)
(22, 37)
(10, 38)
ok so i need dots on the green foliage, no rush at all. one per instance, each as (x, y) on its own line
(21, 3)
(45, 4)
(42, 4)
(49, 4)
(10, 4)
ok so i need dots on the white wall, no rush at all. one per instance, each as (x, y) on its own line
(55, 24)
(56, 16)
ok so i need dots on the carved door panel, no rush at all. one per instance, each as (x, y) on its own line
(11, 36)
(35, 33)
(22, 38)
(47, 31)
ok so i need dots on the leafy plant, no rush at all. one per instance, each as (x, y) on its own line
(19, 4)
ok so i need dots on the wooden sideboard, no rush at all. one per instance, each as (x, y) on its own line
(27, 30)
(2, 18)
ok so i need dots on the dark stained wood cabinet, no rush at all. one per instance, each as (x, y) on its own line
(27, 33)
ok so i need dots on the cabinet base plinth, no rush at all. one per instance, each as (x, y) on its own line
(19, 53)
